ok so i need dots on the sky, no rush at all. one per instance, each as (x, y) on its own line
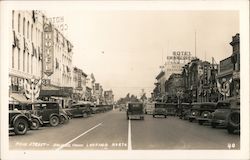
(124, 49)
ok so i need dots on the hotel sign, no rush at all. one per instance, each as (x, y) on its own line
(48, 50)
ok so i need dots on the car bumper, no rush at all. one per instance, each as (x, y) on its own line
(219, 121)
(135, 116)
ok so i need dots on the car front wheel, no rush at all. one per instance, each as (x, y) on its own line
(54, 121)
(35, 124)
(20, 126)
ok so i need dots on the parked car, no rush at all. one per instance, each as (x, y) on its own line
(233, 120)
(219, 117)
(228, 115)
(193, 111)
(183, 110)
(149, 108)
(160, 109)
(80, 109)
(64, 115)
(36, 120)
(204, 112)
(19, 122)
(48, 111)
(171, 108)
(135, 110)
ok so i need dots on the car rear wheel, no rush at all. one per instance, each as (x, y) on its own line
(35, 124)
(200, 122)
(230, 129)
(213, 125)
(20, 126)
(62, 119)
(84, 115)
(54, 121)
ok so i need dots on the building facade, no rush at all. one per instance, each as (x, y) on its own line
(25, 60)
(79, 84)
(109, 97)
(174, 87)
(160, 84)
(228, 79)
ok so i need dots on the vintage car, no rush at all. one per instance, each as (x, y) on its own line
(183, 110)
(194, 111)
(204, 112)
(135, 110)
(219, 117)
(65, 116)
(36, 120)
(160, 109)
(149, 108)
(19, 122)
(48, 111)
(81, 109)
(171, 108)
(227, 114)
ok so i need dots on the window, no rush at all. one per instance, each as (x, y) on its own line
(24, 27)
(24, 61)
(18, 59)
(28, 29)
(31, 65)
(13, 57)
(31, 33)
(28, 58)
(13, 19)
(19, 17)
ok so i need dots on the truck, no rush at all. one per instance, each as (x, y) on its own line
(135, 110)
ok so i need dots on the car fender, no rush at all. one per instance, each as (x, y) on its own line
(54, 114)
(20, 116)
(38, 118)
(65, 116)
(229, 120)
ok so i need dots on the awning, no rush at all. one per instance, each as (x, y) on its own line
(47, 91)
(19, 97)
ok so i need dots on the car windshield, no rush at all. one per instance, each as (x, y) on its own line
(223, 105)
(159, 105)
(135, 106)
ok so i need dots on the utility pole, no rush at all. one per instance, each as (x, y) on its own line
(195, 43)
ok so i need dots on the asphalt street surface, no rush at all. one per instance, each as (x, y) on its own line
(112, 131)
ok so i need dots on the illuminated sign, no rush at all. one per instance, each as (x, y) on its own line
(48, 48)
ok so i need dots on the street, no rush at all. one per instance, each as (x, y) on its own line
(112, 131)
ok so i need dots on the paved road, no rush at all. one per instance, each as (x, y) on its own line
(111, 131)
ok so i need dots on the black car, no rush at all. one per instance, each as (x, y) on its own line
(80, 109)
(193, 112)
(219, 117)
(36, 120)
(227, 114)
(171, 109)
(135, 110)
(205, 110)
(19, 122)
(48, 111)
(160, 110)
(183, 110)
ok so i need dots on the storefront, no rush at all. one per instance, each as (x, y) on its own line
(62, 95)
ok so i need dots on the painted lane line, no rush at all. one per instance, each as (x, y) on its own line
(129, 135)
(64, 145)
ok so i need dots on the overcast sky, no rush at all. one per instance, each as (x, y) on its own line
(124, 48)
